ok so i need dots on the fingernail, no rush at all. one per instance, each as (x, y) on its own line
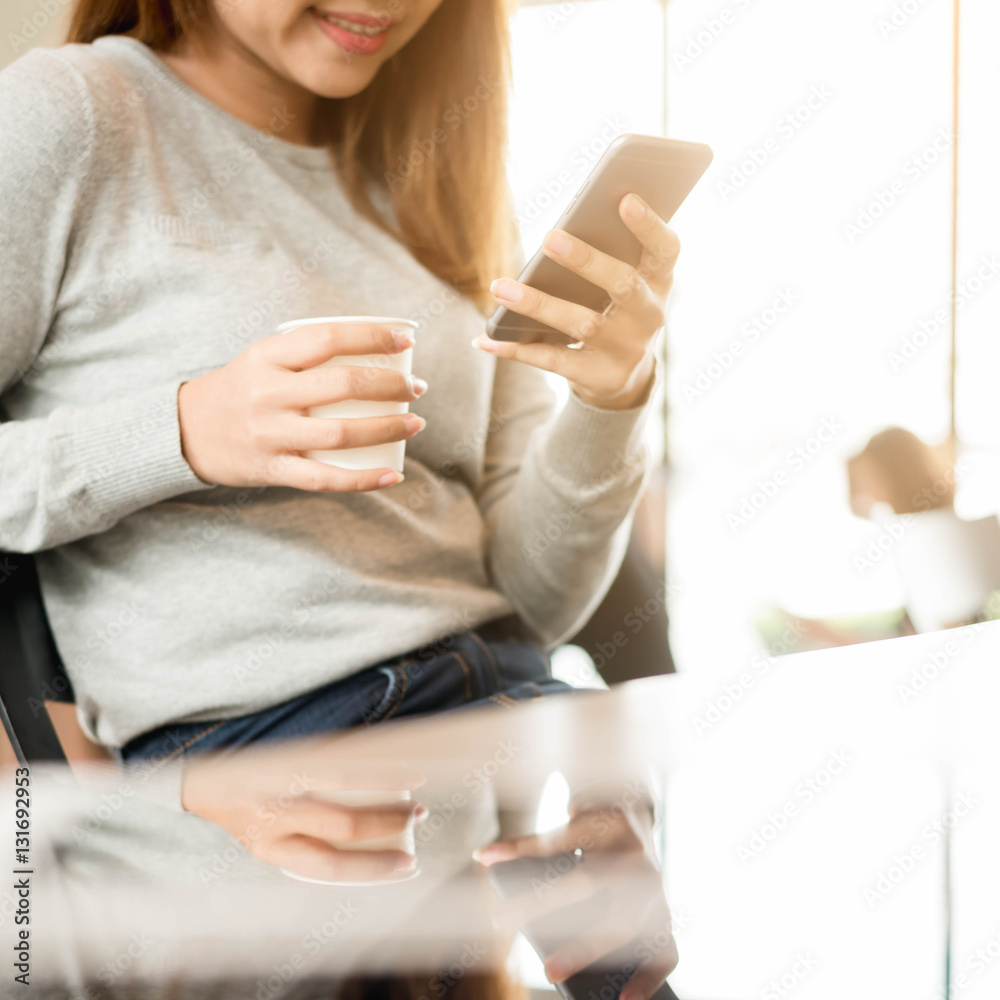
(414, 424)
(402, 339)
(558, 243)
(507, 291)
(390, 479)
(557, 971)
(405, 862)
(421, 813)
(417, 386)
(483, 343)
(633, 208)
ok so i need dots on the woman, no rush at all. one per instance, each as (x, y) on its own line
(183, 179)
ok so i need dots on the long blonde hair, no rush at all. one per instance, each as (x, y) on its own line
(431, 128)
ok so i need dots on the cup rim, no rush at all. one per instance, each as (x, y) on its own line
(294, 324)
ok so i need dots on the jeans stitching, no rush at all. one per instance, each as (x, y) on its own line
(194, 739)
(386, 700)
(467, 670)
(402, 693)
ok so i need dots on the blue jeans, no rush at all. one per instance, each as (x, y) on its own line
(461, 671)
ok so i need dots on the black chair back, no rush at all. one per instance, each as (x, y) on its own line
(31, 671)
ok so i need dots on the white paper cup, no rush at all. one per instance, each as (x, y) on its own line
(377, 456)
(404, 841)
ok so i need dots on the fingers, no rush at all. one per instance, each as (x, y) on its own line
(316, 859)
(618, 279)
(661, 246)
(589, 830)
(563, 361)
(319, 386)
(571, 888)
(307, 346)
(318, 477)
(652, 965)
(332, 434)
(540, 845)
(336, 825)
(644, 984)
(577, 322)
(571, 958)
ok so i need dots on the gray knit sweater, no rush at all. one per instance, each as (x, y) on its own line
(147, 237)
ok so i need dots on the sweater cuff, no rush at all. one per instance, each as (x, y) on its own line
(591, 446)
(128, 451)
(157, 783)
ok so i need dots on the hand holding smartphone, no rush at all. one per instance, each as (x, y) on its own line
(660, 171)
(605, 978)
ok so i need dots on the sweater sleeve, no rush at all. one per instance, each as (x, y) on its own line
(558, 492)
(79, 470)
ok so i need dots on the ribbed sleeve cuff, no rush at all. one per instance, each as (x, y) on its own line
(593, 447)
(128, 451)
(158, 784)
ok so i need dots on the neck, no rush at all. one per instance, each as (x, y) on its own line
(231, 77)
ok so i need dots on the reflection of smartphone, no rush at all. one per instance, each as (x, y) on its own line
(605, 979)
(661, 171)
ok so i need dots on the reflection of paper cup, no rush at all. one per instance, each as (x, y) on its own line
(404, 841)
(377, 456)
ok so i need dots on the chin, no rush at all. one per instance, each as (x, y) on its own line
(336, 78)
(339, 88)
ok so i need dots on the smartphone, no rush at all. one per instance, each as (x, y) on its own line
(661, 171)
(604, 979)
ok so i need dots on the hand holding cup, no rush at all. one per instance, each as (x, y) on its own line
(254, 423)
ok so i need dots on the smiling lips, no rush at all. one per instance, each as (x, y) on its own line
(358, 34)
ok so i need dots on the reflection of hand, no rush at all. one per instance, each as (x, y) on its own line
(279, 821)
(619, 863)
